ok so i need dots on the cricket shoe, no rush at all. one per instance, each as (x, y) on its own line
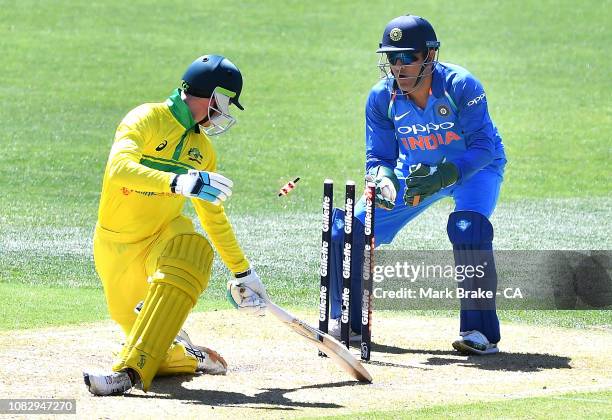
(116, 383)
(209, 361)
(333, 329)
(474, 342)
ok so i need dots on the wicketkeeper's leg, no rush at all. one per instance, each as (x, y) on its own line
(471, 234)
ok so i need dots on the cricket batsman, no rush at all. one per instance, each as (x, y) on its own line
(428, 135)
(152, 263)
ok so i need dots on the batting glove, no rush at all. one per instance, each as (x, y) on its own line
(247, 293)
(387, 186)
(208, 186)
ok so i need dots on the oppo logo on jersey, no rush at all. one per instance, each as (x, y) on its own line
(427, 128)
(430, 141)
(476, 99)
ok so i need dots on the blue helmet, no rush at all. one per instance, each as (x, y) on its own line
(408, 33)
(209, 72)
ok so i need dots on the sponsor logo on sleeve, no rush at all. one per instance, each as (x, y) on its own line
(476, 100)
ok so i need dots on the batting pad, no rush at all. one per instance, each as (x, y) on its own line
(182, 275)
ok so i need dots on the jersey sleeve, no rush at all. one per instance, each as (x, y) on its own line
(123, 166)
(478, 130)
(381, 145)
(220, 231)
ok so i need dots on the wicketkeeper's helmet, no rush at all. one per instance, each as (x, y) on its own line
(209, 72)
(403, 37)
(408, 33)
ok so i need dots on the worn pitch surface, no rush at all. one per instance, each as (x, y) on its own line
(273, 372)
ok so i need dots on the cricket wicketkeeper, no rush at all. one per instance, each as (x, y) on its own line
(428, 135)
(152, 263)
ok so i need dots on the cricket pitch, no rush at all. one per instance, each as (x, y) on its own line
(275, 373)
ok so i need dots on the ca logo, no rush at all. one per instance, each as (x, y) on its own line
(142, 361)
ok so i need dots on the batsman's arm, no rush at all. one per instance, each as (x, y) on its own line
(219, 229)
(221, 234)
(124, 167)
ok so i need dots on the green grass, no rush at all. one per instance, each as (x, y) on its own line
(27, 306)
(287, 263)
(591, 405)
(72, 70)
(23, 306)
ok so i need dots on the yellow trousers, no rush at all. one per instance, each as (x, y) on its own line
(124, 266)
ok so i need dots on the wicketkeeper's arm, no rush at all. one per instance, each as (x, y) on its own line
(477, 128)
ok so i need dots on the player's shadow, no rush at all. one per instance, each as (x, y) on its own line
(383, 348)
(171, 388)
(508, 362)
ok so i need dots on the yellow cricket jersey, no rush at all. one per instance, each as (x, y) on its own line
(152, 143)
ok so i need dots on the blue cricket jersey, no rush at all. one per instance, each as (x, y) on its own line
(454, 125)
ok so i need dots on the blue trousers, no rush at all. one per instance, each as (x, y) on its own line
(478, 194)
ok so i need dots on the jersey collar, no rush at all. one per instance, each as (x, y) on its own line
(180, 110)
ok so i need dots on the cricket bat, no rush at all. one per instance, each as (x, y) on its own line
(325, 342)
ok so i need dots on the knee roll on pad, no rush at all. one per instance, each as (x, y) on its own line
(338, 228)
(469, 230)
(186, 264)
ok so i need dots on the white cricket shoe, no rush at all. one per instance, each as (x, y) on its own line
(116, 383)
(333, 329)
(474, 342)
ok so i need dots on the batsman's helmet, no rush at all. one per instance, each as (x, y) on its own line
(209, 72)
(408, 33)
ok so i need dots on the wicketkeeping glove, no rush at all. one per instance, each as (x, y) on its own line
(425, 180)
(387, 186)
(247, 293)
(208, 186)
